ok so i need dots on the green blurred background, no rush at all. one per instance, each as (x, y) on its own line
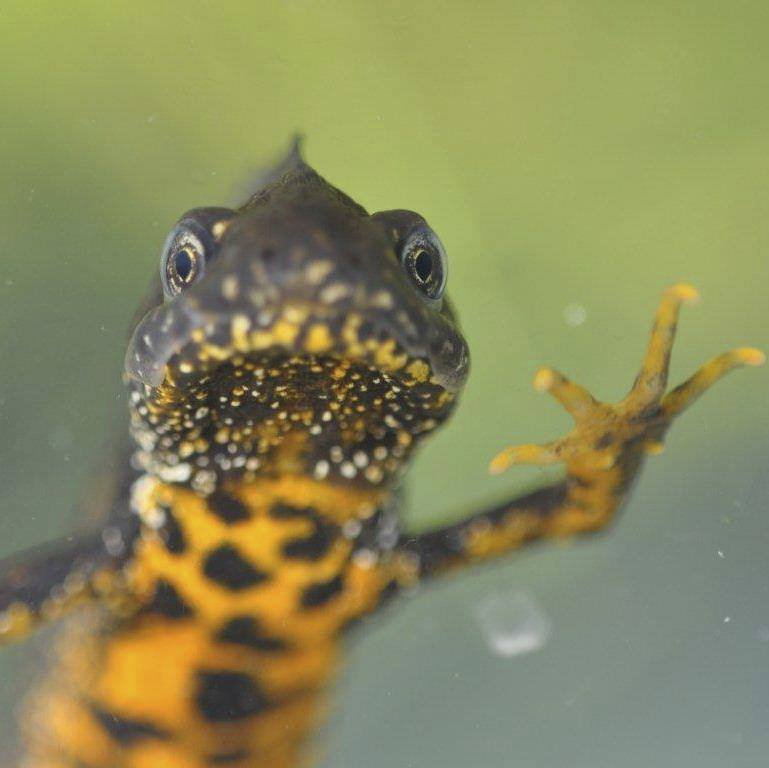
(575, 158)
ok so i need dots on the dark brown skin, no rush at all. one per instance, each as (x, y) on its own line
(294, 354)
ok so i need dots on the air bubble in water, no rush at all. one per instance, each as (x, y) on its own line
(574, 314)
(513, 623)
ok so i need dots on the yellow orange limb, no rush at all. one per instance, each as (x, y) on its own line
(652, 378)
(574, 398)
(685, 394)
(602, 453)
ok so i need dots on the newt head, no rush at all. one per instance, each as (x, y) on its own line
(295, 334)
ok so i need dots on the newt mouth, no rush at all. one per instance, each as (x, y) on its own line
(176, 344)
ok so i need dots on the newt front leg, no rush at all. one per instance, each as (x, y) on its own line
(603, 453)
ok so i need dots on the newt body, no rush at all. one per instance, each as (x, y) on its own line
(293, 355)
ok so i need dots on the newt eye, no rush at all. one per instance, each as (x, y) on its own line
(424, 259)
(192, 244)
(183, 261)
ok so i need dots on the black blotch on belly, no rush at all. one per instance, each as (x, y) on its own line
(244, 630)
(167, 602)
(281, 511)
(124, 730)
(389, 592)
(315, 545)
(224, 758)
(227, 508)
(604, 441)
(226, 696)
(226, 566)
(171, 533)
(351, 625)
(321, 592)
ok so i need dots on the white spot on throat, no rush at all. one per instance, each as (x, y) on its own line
(178, 474)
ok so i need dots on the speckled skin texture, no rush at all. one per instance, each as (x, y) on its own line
(280, 378)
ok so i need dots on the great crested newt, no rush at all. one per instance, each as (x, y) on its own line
(292, 355)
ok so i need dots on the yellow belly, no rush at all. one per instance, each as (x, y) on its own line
(232, 637)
